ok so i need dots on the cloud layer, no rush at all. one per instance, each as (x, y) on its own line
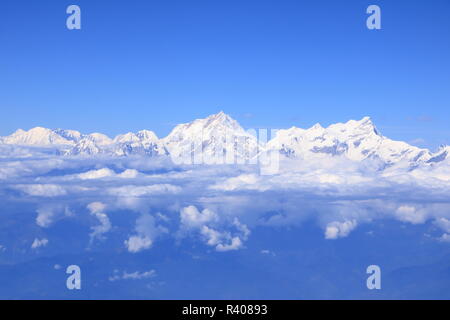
(219, 205)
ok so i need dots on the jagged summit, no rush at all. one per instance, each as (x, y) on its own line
(316, 127)
(144, 142)
(215, 134)
(221, 118)
(70, 135)
(147, 135)
(443, 154)
(217, 120)
(219, 115)
(40, 136)
(365, 124)
(98, 138)
(354, 139)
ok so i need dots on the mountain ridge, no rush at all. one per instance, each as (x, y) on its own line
(223, 135)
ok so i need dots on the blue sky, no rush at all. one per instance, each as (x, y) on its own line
(153, 64)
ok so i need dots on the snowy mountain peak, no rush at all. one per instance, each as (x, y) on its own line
(19, 132)
(355, 139)
(292, 130)
(317, 126)
(367, 123)
(144, 142)
(147, 135)
(441, 155)
(444, 148)
(216, 123)
(38, 131)
(98, 138)
(215, 135)
(220, 119)
(71, 135)
(127, 137)
(40, 136)
(363, 126)
(365, 119)
(143, 136)
(220, 116)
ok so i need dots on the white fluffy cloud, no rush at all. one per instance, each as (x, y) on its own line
(222, 241)
(41, 190)
(104, 173)
(48, 213)
(337, 229)
(37, 243)
(411, 214)
(191, 217)
(45, 216)
(444, 224)
(213, 237)
(235, 244)
(146, 232)
(249, 181)
(216, 232)
(129, 174)
(138, 243)
(96, 174)
(132, 276)
(140, 191)
(268, 252)
(96, 209)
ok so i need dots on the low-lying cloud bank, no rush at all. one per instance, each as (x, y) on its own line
(220, 205)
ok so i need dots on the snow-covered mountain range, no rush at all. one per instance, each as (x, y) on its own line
(221, 135)
(357, 140)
